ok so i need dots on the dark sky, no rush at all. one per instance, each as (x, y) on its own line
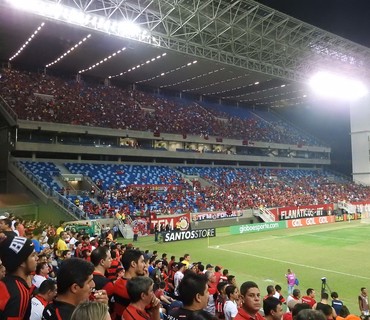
(330, 121)
(347, 18)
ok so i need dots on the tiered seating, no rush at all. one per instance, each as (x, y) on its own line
(44, 172)
(39, 97)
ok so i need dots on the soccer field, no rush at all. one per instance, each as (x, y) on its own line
(338, 251)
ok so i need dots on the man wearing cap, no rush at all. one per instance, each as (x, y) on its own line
(6, 225)
(20, 260)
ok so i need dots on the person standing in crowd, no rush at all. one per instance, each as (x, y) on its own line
(42, 273)
(272, 308)
(91, 310)
(363, 302)
(45, 294)
(140, 290)
(336, 303)
(193, 292)
(20, 260)
(134, 264)
(101, 259)
(231, 306)
(75, 283)
(310, 297)
(6, 225)
(251, 302)
(291, 281)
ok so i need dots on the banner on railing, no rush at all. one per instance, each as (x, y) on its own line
(201, 216)
(189, 234)
(296, 223)
(311, 211)
(258, 227)
(181, 222)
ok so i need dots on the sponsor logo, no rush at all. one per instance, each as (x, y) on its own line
(189, 235)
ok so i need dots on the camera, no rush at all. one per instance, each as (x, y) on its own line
(323, 279)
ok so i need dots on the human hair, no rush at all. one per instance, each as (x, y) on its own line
(334, 295)
(278, 287)
(46, 285)
(363, 288)
(324, 295)
(309, 291)
(270, 304)
(40, 266)
(72, 271)
(296, 292)
(298, 307)
(246, 286)
(8, 222)
(91, 310)
(309, 314)
(270, 289)
(230, 278)
(230, 290)
(225, 272)
(191, 285)
(138, 285)
(186, 255)
(98, 254)
(344, 312)
(113, 254)
(326, 309)
(217, 268)
(129, 256)
(200, 267)
(221, 285)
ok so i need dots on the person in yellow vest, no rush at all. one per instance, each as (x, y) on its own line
(60, 228)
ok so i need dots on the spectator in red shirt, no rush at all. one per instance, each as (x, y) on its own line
(251, 302)
(310, 297)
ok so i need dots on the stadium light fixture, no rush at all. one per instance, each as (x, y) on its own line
(68, 51)
(27, 42)
(330, 85)
(138, 66)
(102, 61)
(57, 11)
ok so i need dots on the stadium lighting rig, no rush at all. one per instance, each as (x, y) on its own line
(138, 66)
(59, 12)
(331, 85)
(27, 41)
(214, 83)
(69, 51)
(234, 88)
(168, 72)
(103, 60)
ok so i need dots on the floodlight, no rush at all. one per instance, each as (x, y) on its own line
(331, 85)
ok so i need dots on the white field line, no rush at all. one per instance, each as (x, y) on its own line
(290, 263)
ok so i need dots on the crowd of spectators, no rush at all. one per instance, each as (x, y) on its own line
(41, 97)
(142, 190)
(51, 273)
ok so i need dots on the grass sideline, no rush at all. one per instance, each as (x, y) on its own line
(338, 251)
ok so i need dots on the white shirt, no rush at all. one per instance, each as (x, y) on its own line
(176, 280)
(37, 280)
(37, 309)
(230, 309)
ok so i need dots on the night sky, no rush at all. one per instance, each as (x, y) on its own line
(327, 120)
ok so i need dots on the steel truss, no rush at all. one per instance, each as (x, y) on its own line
(240, 33)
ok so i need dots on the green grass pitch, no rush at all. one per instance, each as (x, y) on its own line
(339, 251)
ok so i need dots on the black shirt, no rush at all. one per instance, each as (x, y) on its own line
(58, 310)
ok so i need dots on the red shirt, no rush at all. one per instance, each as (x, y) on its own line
(244, 315)
(308, 300)
(133, 313)
(121, 297)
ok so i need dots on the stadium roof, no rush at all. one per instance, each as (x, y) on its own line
(232, 50)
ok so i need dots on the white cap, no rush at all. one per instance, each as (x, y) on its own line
(4, 215)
